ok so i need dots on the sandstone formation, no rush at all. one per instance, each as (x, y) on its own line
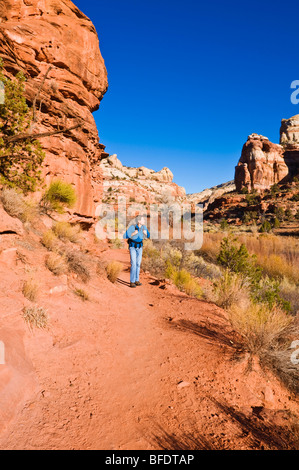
(289, 138)
(207, 196)
(141, 185)
(289, 130)
(36, 35)
(263, 163)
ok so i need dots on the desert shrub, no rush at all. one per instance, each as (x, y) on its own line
(56, 264)
(82, 294)
(275, 223)
(267, 291)
(224, 225)
(35, 317)
(155, 265)
(183, 280)
(265, 227)
(274, 189)
(288, 214)
(260, 326)
(58, 196)
(290, 293)
(116, 243)
(113, 269)
(277, 266)
(49, 240)
(149, 250)
(78, 263)
(235, 257)
(20, 156)
(30, 290)
(197, 266)
(173, 255)
(230, 289)
(279, 213)
(252, 198)
(17, 206)
(66, 231)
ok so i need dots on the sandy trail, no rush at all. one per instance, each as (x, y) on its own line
(144, 368)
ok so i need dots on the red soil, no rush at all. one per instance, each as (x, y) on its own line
(144, 368)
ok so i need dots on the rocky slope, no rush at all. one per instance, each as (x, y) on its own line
(140, 185)
(207, 196)
(36, 35)
(281, 204)
(263, 163)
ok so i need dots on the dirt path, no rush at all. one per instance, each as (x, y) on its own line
(144, 368)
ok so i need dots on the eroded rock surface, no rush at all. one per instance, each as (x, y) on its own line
(36, 35)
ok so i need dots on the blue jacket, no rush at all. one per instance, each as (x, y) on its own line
(139, 236)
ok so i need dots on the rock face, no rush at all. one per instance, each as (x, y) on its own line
(289, 138)
(261, 164)
(36, 35)
(289, 131)
(207, 196)
(140, 185)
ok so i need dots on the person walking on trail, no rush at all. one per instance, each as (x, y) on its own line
(135, 235)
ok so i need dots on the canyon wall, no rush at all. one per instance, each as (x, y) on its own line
(34, 36)
(139, 185)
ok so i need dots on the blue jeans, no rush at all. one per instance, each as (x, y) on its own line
(136, 257)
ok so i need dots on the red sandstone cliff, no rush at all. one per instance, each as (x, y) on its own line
(37, 34)
(263, 163)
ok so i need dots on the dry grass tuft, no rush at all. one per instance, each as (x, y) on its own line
(67, 232)
(82, 294)
(78, 263)
(17, 206)
(49, 240)
(56, 264)
(30, 290)
(35, 317)
(113, 269)
(261, 327)
(228, 290)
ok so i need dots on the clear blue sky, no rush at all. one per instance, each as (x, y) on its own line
(190, 80)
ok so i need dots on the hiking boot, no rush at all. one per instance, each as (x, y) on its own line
(138, 283)
(132, 284)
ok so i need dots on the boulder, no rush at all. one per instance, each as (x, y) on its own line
(10, 224)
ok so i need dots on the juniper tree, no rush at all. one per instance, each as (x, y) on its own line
(20, 156)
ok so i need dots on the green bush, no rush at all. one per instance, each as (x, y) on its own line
(59, 195)
(224, 225)
(235, 257)
(252, 198)
(274, 189)
(279, 213)
(266, 227)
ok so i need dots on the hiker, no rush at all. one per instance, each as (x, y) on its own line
(135, 235)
